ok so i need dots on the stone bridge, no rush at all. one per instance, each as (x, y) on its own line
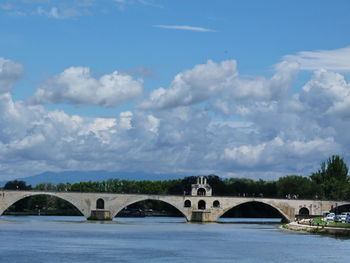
(197, 208)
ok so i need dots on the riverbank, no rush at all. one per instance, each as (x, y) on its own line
(328, 230)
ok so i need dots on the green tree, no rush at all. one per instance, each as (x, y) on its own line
(187, 182)
(217, 184)
(46, 187)
(297, 185)
(332, 179)
(17, 185)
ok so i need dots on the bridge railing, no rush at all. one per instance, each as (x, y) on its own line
(179, 195)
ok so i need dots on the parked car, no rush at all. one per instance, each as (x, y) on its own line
(330, 217)
(337, 218)
(344, 216)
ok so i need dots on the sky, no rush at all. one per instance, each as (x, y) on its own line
(237, 88)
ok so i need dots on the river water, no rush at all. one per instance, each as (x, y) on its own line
(74, 240)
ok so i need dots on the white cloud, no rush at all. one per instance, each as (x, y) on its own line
(266, 130)
(337, 59)
(246, 155)
(207, 81)
(10, 72)
(76, 85)
(194, 86)
(263, 88)
(221, 106)
(277, 151)
(328, 93)
(101, 124)
(125, 120)
(185, 27)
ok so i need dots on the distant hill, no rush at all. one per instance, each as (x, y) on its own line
(79, 176)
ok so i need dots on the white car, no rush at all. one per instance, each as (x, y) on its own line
(330, 217)
(344, 215)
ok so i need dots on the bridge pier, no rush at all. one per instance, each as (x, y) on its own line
(202, 216)
(100, 215)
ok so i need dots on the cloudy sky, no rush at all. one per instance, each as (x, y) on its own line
(240, 88)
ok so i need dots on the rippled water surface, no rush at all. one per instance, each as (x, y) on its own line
(72, 239)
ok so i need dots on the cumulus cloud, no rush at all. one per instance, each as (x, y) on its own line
(327, 92)
(262, 88)
(207, 81)
(277, 151)
(54, 140)
(337, 59)
(267, 129)
(193, 86)
(10, 72)
(76, 85)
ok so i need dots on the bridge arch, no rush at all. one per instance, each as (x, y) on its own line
(284, 215)
(181, 209)
(304, 211)
(19, 195)
(339, 208)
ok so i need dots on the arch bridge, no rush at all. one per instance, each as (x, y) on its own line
(195, 208)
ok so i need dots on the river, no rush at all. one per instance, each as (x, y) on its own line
(151, 239)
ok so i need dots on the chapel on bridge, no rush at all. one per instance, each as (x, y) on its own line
(201, 188)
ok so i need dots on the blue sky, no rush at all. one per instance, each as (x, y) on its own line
(238, 88)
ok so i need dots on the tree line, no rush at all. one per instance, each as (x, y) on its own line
(330, 181)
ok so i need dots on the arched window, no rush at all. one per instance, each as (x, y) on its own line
(304, 211)
(201, 205)
(201, 191)
(100, 204)
(187, 203)
(216, 204)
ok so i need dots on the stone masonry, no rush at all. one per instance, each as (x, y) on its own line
(202, 208)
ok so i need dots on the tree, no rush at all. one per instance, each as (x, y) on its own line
(332, 179)
(187, 182)
(46, 187)
(297, 185)
(17, 185)
(217, 184)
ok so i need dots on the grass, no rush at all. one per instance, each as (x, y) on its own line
(320, 222)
